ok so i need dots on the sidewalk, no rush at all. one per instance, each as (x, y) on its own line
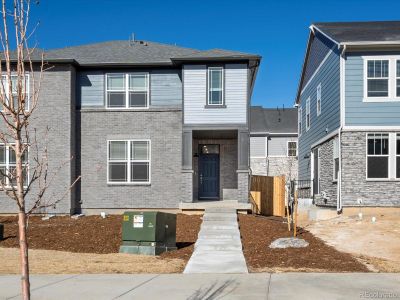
(208, 286)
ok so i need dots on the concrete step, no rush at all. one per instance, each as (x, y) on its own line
(219, 234)
(228, 262)
(212, 217)
(218, 247)
(221, 226)
(229, 210)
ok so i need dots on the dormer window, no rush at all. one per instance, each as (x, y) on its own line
(215, 84)
(127, 90)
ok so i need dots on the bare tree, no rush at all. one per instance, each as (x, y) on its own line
(21, 74)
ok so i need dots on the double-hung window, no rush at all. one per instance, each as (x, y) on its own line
(308, 115)
(127, 90)
(8, 166)
(300, 120)
(14, 91)
(292, 149)
(129, 161)
(397, 78)
(398, 155)
(319, 91)
(377, 155)
(378, 78)
(215, 93)
(335, 159)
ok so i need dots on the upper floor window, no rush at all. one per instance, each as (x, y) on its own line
(127, 90)
(14, 91)
(308, 115)
(319, 91)
(378, 78)
(300, 120)
(397, 78)
(378, 155)
(129, 161)
(292, 148)
(215, 86)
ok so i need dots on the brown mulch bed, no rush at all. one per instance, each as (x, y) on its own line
(259, 232)
(92, 234)
(187, 229)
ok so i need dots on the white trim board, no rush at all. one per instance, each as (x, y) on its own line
(371, 128)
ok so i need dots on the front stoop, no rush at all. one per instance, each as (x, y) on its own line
(204, 205)
(218, 248)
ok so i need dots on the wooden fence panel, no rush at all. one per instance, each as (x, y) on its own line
(268, 195)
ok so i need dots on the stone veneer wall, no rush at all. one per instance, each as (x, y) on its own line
(275, 166)
(354, 183)
(326, 182)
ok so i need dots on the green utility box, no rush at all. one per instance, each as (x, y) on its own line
(1, 232)
(149, 232)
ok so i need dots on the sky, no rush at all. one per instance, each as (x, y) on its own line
(277, 30)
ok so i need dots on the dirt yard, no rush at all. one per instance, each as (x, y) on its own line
(258, 233)
(90, 245)
(376, 243)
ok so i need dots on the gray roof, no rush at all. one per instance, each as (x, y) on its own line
(137, 53)
(273, 120)
(352, 32)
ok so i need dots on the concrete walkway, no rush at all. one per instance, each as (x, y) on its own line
(218, 248)
(281, 286)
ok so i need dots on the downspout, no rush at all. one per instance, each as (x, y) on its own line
(339, 204)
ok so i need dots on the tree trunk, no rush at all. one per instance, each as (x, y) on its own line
(23, 247)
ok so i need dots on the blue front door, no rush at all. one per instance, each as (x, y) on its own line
(209, 176)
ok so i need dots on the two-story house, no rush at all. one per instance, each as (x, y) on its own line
(349, 114)
(273, 141)
(147, 125)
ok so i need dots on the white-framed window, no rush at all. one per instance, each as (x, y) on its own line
(397, 78)
(14, 84)
(381, 78)
(377, 155)
(308, 115)
(335, 159)
(319, 95)
(292, 148)
(215, 84)
(129, 161)
(398, 155)
(8, 166)
(127, 90)
(300, 120)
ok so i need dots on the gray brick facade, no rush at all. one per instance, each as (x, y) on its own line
(163, 128)
(56, 109)
(354, 183)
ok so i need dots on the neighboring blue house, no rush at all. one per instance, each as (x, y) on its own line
(349, 114)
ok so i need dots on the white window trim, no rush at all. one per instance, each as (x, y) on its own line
(389, 156)
(287, 148)
(319, 99)
(300, 121)
(128, 161)
(27, 90)
(308, 112)
(7, 166)
(392, 78)
(127, 90)
(209, 86)
(396, 155)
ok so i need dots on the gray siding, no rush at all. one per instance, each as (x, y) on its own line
(258, 146)
(329, 120)
(359, 113)
(90, 88)
(165, 88)
(277, 146)
(195, 96)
